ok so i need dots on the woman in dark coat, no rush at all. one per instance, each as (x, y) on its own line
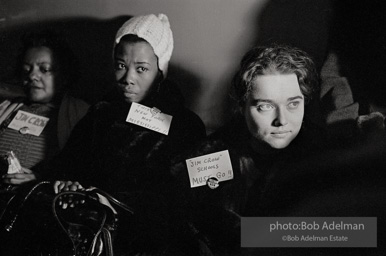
(268, 133)
(128, 156)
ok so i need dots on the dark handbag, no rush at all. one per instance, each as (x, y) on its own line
(34, 223)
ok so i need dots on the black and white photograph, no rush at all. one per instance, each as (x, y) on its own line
(192, 127)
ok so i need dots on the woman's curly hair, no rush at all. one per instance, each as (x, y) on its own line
(276, 59)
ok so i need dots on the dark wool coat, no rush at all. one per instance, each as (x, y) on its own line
(130, 162)
(306, 179)
(209, 219)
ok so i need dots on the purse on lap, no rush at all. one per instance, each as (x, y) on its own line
(34, 223)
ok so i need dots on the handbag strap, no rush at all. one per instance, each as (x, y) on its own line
(102, 238)
(89, 196)
(9, 227)
(111, 199)
(108, 242)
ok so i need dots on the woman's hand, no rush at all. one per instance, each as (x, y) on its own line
(60, 186)
(67, 200)
(19, 178)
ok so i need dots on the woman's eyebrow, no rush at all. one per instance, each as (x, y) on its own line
(117, 58)
(256, 101)
(39, 63)
(143, 62)
(295, 98)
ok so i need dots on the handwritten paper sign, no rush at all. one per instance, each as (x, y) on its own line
(150, 118)
(28, 123)
(216, 165)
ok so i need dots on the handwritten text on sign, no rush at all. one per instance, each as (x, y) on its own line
(34, 123)
(212, 165)
(149, 118)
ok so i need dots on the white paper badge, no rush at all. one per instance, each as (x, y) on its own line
(150, 118)
(217, 165)
(28, 123)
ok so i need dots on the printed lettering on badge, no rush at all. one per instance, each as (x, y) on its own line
(28, 123)
(150, 118)
(217, 165)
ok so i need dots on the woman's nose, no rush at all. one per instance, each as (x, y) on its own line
(34, 74)
(128, 78)
(280, 118)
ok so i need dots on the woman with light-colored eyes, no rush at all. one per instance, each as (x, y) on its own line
(269, 130)
(273, 86)
(36, 127)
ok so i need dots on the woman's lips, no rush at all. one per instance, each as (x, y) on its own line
(35, 89)
(280, 134)
(128, 92)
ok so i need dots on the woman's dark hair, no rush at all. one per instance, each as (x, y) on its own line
(276, 59)
(64, 57)
(131, 38)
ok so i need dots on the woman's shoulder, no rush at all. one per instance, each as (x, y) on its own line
(185, 122)
(71, 111)
(74, 103)
(97, 117)
(109, 109)
(234, 133)
(10, 91)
